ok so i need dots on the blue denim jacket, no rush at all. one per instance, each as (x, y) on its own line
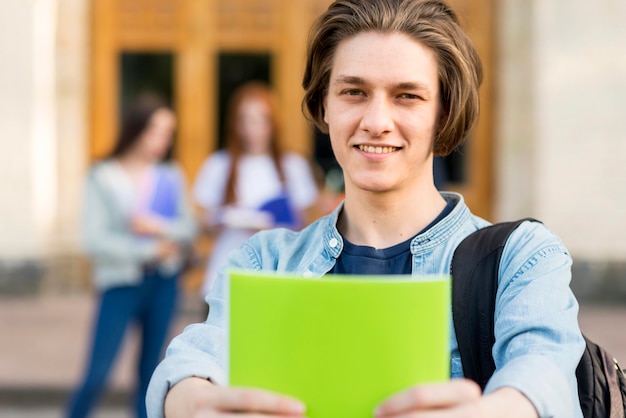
(538, 342)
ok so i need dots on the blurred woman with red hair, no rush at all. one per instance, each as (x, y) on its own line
(253, 183)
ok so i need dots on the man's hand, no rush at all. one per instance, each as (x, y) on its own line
(456, 398)
(196, 397)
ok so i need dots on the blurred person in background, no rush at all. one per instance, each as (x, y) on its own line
(253, 183)
(137, 225)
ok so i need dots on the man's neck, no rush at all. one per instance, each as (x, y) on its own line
(381, 221)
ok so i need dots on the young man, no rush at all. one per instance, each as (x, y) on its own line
(395, 82)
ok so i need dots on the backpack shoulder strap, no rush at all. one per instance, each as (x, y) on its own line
(474, 271)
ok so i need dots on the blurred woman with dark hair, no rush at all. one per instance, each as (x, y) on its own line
(137, 221)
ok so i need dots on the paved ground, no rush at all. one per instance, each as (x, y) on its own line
(43, 342)
(42, 350)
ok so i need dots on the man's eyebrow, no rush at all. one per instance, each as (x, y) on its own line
(405, 85)
(350, 79)
(410, 85)
(421, 88)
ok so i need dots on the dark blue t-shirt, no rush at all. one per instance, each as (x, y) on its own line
(361, 259)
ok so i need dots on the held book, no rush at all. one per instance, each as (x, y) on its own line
(341, 344)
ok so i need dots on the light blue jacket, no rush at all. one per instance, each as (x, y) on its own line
(538, 342)
(117, 254)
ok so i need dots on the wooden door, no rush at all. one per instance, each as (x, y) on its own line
(475, 181)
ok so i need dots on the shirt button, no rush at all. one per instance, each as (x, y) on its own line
(333, 242)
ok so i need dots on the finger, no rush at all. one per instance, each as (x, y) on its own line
(424, 397)
(258, 400)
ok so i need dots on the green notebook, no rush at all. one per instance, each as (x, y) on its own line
(340, 344)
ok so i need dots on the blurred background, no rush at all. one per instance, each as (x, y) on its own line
(550, 144)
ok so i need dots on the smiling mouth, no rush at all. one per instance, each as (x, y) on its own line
(377, 150)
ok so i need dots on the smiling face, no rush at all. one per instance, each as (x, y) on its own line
(382, 110)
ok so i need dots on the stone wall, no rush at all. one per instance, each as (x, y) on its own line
(561, 131)
(23, 227)
(561, 128)
(43, 119)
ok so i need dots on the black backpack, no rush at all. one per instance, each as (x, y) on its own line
(474, 270)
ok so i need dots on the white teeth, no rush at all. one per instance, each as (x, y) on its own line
(377, 150)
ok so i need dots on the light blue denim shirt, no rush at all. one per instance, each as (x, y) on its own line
(538, 341)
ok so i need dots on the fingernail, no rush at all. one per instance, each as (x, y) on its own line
(298, 407)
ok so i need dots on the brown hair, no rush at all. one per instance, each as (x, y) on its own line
(251, 90)
(135, 120)
(432, 23)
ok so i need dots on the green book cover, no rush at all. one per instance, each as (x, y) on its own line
(341, 344)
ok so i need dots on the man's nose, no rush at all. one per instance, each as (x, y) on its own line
(377, 118)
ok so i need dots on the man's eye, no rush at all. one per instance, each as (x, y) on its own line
(353, 92)
(409, 96)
